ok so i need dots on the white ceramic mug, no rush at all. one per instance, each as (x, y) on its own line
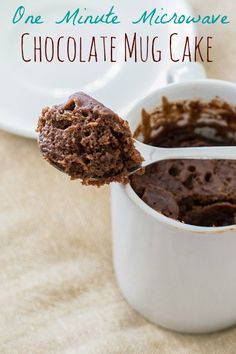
(179, 276)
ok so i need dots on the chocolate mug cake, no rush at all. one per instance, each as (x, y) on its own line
(197, 192)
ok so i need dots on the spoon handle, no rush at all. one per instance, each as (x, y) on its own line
(153, 154)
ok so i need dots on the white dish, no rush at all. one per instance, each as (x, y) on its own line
(27, 87)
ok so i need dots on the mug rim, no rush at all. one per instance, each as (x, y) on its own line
(145, 207)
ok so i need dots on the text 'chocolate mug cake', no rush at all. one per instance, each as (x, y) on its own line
(197, 192)
(88, 141)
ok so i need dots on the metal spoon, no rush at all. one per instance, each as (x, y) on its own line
(153, 154)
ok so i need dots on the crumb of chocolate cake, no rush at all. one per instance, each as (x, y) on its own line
(88, 141)
(174, 114)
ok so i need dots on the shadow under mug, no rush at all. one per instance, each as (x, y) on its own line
(179, 276)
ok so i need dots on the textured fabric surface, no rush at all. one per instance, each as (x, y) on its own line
(57, 288)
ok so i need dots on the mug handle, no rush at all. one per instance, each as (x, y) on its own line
(185, 72)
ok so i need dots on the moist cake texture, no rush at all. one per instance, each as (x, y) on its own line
(197, 192)
(86, 140)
